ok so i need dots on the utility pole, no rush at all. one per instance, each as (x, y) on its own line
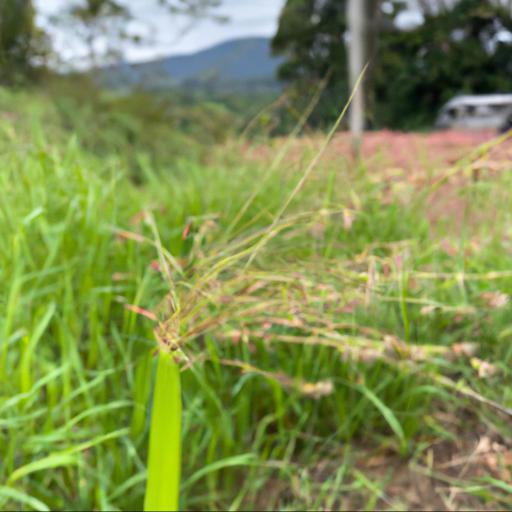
(357, 57)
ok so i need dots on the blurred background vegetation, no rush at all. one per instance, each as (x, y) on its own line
(459, 47)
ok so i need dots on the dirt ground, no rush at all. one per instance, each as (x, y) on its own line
(439, 479)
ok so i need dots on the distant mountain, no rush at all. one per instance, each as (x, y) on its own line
(236, 65)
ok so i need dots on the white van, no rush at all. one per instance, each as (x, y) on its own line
(477, 112)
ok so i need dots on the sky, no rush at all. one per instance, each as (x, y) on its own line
(167, 34)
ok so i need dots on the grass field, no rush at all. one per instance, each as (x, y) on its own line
(340, 346)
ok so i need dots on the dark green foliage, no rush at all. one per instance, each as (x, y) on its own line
(310, 36)
(92, 9)
(21, 42)
(454, 52)
(457, 50)
(162, 128)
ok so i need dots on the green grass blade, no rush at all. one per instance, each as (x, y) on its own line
(141, 390)
(245, 459)
(504, 486)
(164, 458)
(52, 461)
(97, 441)
(29, 349)
(23, 498)
(387, 413)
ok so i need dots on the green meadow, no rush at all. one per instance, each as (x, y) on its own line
(337, 347)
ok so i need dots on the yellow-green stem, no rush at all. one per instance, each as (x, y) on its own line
(164, 458)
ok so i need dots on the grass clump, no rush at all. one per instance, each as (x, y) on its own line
(356, 336)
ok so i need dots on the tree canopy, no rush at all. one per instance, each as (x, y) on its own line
(466, 49)
(461, 47)
(311, 37)
(21, 42)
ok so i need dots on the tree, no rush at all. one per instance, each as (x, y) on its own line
(456, 50)
(103, 23)
(96, 22)
(311, 38)
(22, 44)
(460, 47)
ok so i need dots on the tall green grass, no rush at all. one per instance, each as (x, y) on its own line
(336, 338)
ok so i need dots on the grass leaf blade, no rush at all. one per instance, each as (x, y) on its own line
(164, 459)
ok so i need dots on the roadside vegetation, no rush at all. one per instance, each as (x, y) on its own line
(340, 346)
